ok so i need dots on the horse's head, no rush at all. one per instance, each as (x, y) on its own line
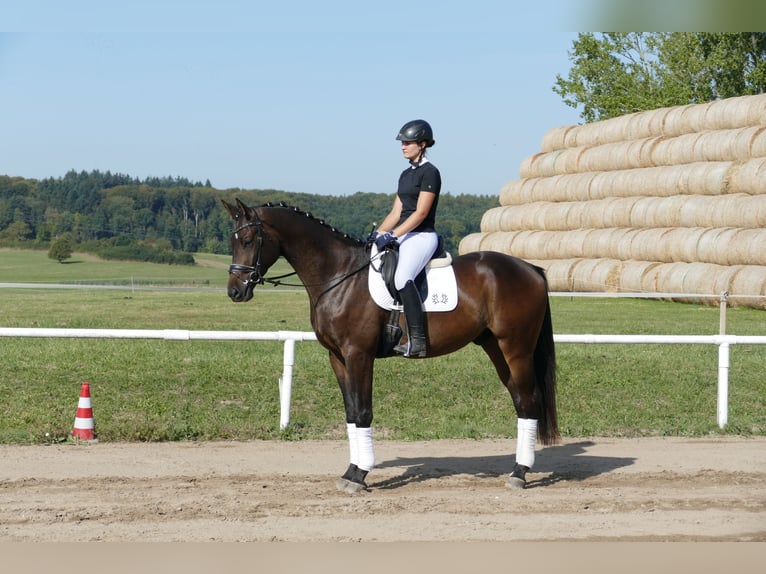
(253, 252)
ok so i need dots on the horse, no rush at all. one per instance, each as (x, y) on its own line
(503, 306)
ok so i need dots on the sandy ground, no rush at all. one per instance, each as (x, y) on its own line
(653, 489)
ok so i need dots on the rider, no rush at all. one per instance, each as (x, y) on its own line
(411, 224)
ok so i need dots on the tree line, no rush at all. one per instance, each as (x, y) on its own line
(166, 219)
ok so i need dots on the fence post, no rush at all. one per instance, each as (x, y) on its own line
(286, 384)
(722, 319)
(723, 384)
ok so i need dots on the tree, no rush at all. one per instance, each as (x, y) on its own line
(619, 73)
(60, 249)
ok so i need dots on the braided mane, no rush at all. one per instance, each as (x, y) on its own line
(308, 215)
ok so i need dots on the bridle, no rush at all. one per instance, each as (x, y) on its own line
(254, 276)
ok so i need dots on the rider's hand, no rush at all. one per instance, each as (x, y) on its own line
(385, 240)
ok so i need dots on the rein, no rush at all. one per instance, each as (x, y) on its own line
(254, 272)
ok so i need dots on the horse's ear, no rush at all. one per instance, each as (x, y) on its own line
(233, 211)
(248, 212)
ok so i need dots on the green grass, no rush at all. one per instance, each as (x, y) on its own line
(204, 390)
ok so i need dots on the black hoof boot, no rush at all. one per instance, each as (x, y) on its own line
(518, 478)
(352, 480)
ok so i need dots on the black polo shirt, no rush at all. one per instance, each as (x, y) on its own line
(413, 180)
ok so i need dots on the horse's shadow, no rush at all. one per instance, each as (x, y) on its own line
(562, 463)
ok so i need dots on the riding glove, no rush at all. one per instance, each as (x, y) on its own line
(385, 240)
(371, 237)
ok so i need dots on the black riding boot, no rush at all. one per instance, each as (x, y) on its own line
(413, 312)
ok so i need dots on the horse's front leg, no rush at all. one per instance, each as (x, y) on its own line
(355, 379)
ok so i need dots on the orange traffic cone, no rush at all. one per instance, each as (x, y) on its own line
(84, 425)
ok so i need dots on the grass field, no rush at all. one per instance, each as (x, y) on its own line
(203, 390)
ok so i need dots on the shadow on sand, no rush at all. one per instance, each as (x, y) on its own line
(562, 463)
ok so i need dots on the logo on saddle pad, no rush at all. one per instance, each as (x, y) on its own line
(439, 282)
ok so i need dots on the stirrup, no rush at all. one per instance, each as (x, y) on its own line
(404, 350)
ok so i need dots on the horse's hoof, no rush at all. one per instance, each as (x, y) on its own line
(355, 487)
(515, 483)
(341, 484)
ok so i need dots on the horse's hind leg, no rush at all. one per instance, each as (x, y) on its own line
(518, 376)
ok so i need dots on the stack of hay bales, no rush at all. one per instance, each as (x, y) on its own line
(671, 201)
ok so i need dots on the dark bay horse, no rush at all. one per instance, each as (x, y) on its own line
(503, 306)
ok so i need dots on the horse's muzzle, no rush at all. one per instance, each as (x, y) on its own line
(240, 293)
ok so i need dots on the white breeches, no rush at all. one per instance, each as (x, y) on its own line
(415, 251)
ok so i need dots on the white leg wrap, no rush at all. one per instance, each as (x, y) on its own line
(525, 442)
(364, 448)
(353, 454)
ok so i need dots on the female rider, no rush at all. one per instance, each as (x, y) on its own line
(411, 223)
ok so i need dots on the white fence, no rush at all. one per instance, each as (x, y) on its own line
(289, 338)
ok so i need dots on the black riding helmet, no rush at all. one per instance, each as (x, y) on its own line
(417, 131)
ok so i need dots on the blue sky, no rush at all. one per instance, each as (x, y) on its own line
(298, 96)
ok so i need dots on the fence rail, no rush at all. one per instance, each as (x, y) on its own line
(289, 338)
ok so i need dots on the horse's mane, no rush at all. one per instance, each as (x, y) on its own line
(308, 215)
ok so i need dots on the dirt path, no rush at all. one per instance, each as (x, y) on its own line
(584, 489)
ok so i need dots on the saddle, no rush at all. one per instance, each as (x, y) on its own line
(392, 330)
(390, 258)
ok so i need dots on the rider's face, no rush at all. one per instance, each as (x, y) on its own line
(411, 150)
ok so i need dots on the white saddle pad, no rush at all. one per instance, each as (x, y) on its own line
(442, 287)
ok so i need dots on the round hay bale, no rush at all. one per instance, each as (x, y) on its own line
(670, 277)
(470, 243)
(560, 274)
(747, 177)
(599, 186)
(623, 248)
(568, 161)
(744, 138)
(750, 280)
(617, 211)
(490, 221)
(638, 213)
(758, 142)
(576, 215)
(632, 275)
(693, 118)
(525, 169)
(554, 215)
(707, 178)
(707, 245)
(753, 211)
(555, 138)
(544, 165)
(649, 278)
(673, 121)
(697, 211)
(733, 112)
(680, 244)
(637, 126)
(509, 192)
(724, 277)
(756, 110)
(749, 247)
(675, 150)
(646, 244)
(657, 120)
(509, 219)
(584, 279)
(716, 146)
(699, 279)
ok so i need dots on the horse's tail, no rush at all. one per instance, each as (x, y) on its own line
(545, 375)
